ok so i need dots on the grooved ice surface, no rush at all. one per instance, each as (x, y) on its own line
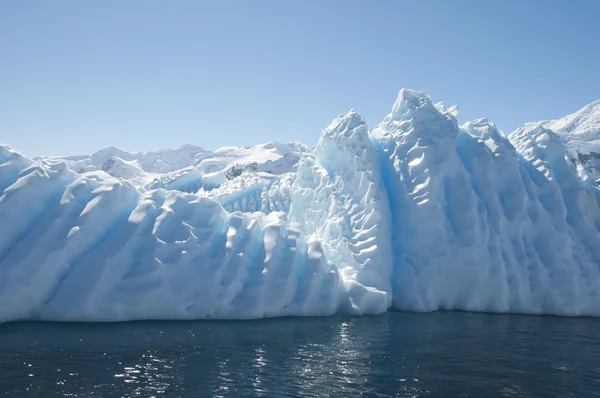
(417, 214)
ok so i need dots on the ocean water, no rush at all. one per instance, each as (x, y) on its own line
(443, 354)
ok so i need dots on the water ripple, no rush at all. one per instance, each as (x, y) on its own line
(393, 355)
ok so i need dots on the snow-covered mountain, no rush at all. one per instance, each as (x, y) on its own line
(228, 163)
(274, 157)
(417, 214)
(185, 167)
(161, 161)
(268, 156)
(580, 133)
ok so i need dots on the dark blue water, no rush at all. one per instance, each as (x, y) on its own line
(394, 355)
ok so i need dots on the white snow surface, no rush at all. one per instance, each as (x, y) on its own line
(581, 129)
(161, 161)
(418, 214)
(273, 157)
(580, 133)
(189, 167)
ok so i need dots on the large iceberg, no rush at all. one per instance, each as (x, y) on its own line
(417, 214)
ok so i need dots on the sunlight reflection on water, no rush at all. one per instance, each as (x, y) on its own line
(393, 355)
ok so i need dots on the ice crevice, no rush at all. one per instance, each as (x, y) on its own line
(418, 214)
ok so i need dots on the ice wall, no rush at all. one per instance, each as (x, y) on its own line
(418, 214)
(482, 225)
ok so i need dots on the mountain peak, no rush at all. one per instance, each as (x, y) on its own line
(584, 122)
(579, 132)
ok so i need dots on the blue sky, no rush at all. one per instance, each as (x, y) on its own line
(76, 76)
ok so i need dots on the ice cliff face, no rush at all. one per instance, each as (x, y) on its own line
(418, 214)
(482, 225)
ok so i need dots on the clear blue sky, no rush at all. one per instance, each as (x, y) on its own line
(76, 76)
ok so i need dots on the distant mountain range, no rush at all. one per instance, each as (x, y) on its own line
(143, 167)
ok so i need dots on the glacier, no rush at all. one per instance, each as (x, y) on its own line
(580, 133)
(418, 214)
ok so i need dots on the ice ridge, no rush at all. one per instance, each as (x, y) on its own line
(418, 214)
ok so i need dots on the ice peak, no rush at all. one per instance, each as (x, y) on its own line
(452, 111)
(414, 113)
(347, 134)
(534, 136)
(407, 102)
(480, 121)
(346, 124)
(6, 152)
(485, 130)
(4, 148)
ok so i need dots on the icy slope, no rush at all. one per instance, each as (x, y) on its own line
(580, 132)
(418, 214)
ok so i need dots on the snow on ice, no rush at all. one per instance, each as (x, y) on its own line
(417, 214)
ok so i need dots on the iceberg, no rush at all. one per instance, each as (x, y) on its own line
(418, 214)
